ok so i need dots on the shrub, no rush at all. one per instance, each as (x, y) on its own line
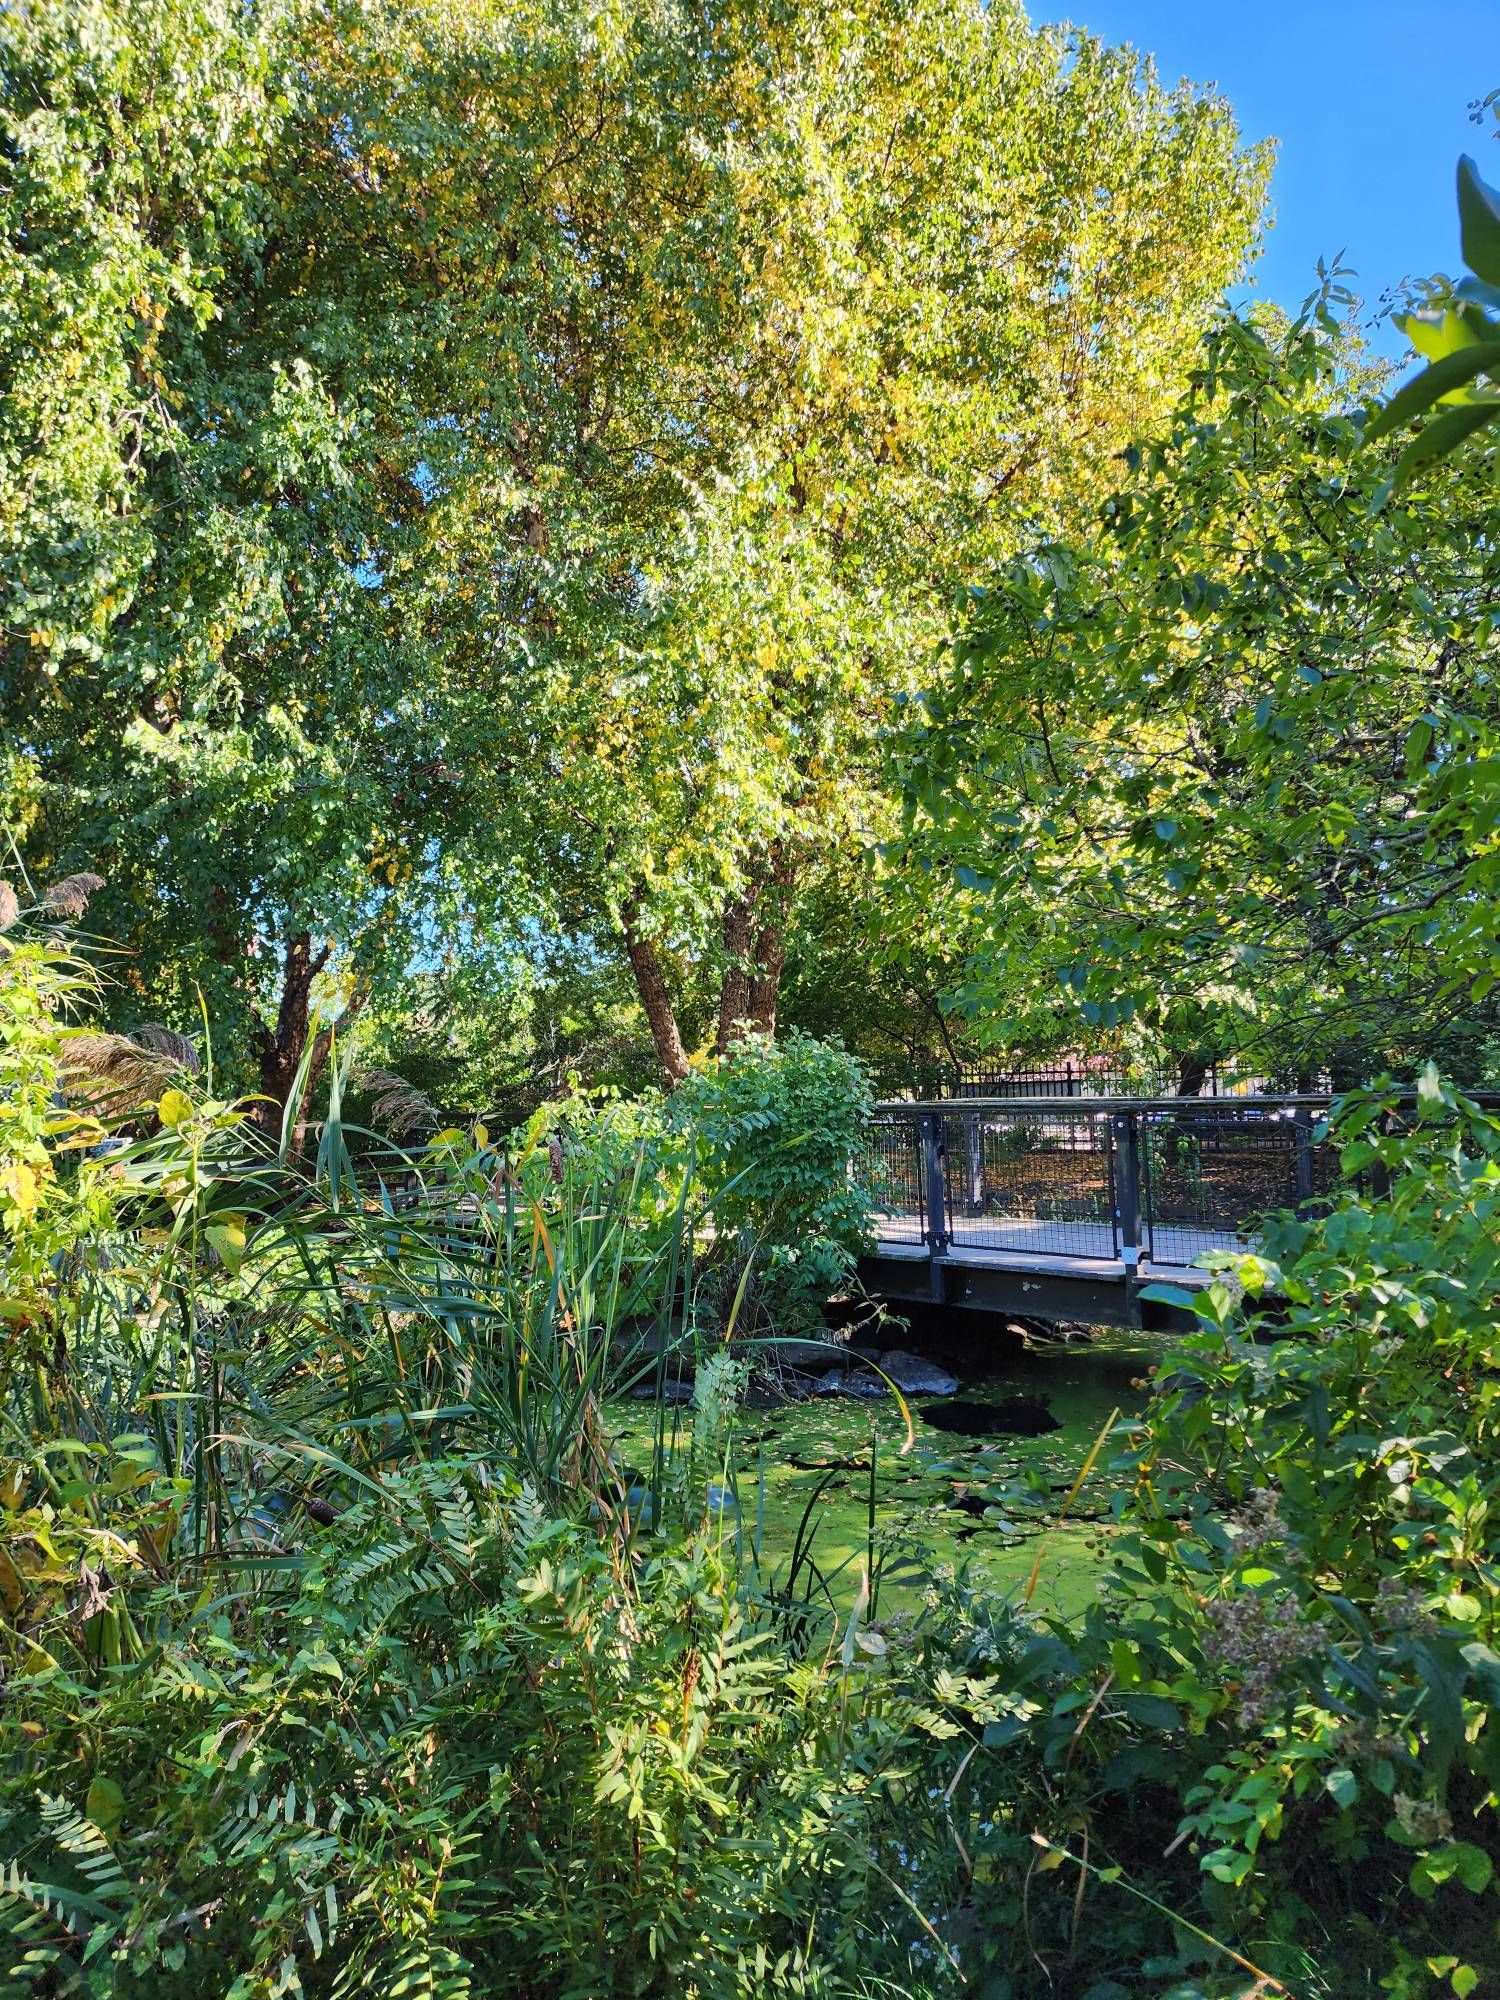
(337, 1657)
(773, 1127)
(457, 1748)
(1280, 1720)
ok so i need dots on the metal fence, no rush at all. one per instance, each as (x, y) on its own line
(890, 1165)
(1164, 1179)
(1093, 1076)
(1040, 1180)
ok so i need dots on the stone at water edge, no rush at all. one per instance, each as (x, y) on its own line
(914, 1375)
(673, 1390)
(850, 1383)
(802, 1357)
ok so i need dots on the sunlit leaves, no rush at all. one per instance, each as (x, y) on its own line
(1232, 764)
(1460, 340)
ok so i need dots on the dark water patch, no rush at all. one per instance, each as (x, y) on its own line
(1015, 1416)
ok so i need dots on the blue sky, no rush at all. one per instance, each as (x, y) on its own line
(1369, 102)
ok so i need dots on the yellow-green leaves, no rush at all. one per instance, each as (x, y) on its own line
(174, 1108)
(226, 1235)
(1461, 340)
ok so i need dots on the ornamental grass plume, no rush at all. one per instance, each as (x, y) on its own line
(119, 1070)
(396, 1106)
(69, 898)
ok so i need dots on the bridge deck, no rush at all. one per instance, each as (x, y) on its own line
(1018, 1240)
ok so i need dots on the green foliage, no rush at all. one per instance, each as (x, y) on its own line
(45, 1211)
(452, 1747)
(1223, 775)
(773, 1127)
(1458, 334)
(470, 458)
(342, 1656)
(1278, 1724)
(504, 1026)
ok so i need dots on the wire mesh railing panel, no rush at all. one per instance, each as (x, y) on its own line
(1209, 1172)
(1038, 1180)
(1327, 1175)
(1101, 1076)
(890, 1165)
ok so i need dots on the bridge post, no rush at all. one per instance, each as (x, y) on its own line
(1126, 1133)
(1380, 1173)
(1302, 1125)
(935, 1195)
(976, 1163)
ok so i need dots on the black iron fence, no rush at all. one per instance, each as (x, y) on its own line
(1161, 1179)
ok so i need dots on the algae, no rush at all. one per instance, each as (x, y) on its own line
(802, 1474)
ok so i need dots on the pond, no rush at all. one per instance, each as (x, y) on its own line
(802, 1474)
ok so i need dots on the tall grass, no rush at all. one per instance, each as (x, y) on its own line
(325, 1606)
(267, 1331)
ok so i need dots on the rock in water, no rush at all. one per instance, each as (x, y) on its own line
(916, 1376)
(850, 1382)
(1021, 1416)
(673, 1390)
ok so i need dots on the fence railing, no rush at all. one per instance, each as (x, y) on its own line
(1092, 1076)
(1150, 1180)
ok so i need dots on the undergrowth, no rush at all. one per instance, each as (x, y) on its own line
(343, 1655)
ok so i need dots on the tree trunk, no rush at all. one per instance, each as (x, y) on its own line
(652, 988)
(279, 1051)
(734, 992)
(1191, 1072)
(765, 981)
(770, 943)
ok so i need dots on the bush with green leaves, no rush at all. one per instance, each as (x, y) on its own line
(452, 1747)
(341, 1654)
(773, 1127)
(1277, 1731)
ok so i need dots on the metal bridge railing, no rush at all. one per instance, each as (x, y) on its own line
(1102, 1076)
(1158, 1180)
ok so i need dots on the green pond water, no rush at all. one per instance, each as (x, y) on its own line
(803, 1471)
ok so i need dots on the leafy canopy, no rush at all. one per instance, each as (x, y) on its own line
(1225, 772)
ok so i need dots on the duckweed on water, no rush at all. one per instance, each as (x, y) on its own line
(988, 1501)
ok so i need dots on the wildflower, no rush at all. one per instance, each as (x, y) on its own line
(10, 907)
(1258, 1525)
(1257, 1637)
(1403, 1608)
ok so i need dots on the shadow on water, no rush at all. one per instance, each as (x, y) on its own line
(960, 1498)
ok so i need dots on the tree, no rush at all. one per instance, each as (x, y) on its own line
(957, 285)
(796, 317)
(218, 687)
(204, 683)
(1225, 773)
(517, 454)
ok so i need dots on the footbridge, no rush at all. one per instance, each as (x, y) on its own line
(1072, 1208)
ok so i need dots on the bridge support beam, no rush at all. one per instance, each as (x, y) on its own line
(935, 1197)
(1125, 1135)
